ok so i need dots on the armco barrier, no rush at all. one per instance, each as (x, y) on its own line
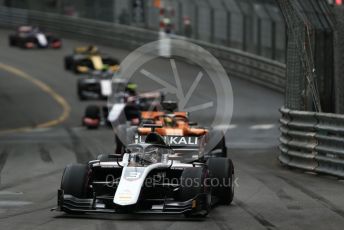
(237, 63)
(312, 141)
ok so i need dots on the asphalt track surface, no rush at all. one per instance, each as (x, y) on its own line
(268, 196)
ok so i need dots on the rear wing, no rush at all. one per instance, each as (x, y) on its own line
(146, 115)
(86, 50)
(176, 142)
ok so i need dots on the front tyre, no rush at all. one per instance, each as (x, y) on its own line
(75, 181)
(80, 92)
(222, 173)
(192, 183)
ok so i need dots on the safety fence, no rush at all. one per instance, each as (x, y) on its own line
(310, 55)
(240, 64)
(254, 26)
(312, 141)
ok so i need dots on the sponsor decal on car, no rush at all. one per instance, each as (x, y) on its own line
(42, 39)
(106, 87)
(172, 140)
(125, 196)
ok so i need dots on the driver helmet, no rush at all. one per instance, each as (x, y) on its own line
(168, 121)
(131, 89)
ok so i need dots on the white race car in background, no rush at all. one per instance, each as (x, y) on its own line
(29, 37)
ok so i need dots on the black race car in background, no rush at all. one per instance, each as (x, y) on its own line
(150, 178)
(99, 85)
(88, 59)
(28, 37)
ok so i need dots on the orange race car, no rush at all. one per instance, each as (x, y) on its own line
(181, 134)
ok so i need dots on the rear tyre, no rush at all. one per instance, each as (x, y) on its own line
(110, 61)
(74, 182)
(192, 184)
(222, 171)
(222, 146)
(11, 41)
(93, 112)
(22, 44)
(68, 63)
(74, 67)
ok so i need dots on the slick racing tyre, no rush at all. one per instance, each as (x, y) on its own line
(80, 93)
(92, 112)
(11, 40)
(68, 63)
(74, 182)
(222, 175)
(192, 184)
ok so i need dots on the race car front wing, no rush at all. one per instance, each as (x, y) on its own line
(100, 204)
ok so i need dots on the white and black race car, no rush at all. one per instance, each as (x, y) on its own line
(150, 177)
(29, 37)
(125, 106)
(99, 86)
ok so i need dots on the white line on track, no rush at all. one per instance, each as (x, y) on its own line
(231, 126)
(13, 203)
(5, 193)
(46, 89)
(262, 126)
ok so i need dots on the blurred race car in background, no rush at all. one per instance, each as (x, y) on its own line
(176, 129)
(99, 85)
(28, 37)
(149, 178)
(89, 58)
(126, 106)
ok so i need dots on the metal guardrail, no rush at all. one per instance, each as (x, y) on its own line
(79, 28)
(240, 64)
(256, 69)
(312, 141)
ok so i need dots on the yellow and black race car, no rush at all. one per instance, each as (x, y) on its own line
(87, 59)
